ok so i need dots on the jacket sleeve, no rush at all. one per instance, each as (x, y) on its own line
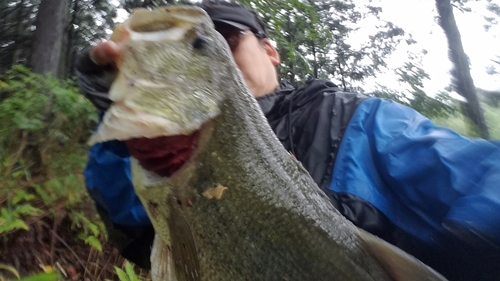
(94, 80)
(107, 174)
(109, 183)
(433, 184)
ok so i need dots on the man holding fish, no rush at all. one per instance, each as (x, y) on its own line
(383, 166)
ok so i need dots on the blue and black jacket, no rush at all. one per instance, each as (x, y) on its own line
(385, 167)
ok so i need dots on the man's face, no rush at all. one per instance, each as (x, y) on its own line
(256, 60)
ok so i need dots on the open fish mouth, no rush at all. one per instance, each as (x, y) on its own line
(159, 51)
(163, 155)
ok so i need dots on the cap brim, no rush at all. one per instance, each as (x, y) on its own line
(232, 23)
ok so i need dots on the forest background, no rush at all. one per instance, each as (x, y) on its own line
(49, 229)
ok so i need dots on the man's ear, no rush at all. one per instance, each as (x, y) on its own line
(273, 54)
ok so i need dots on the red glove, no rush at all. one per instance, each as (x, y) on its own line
(163, 155)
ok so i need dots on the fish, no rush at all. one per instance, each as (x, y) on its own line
(230, 203)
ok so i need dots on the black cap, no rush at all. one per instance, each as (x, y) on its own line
(234, 14)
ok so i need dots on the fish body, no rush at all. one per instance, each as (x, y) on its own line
(240, 207)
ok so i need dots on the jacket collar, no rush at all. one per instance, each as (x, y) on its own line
(286, 95)
(269, 102)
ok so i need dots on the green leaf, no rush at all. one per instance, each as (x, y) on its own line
(46, 198)
(10, 269)
(51, 276)
(130, 272)
(5, 214)
(94, 242)
(121, 274)
(27, 209)
(13, 225)
(22, 195)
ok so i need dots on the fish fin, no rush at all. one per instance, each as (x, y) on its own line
(398, 264)
(184, 252)
(162, 265)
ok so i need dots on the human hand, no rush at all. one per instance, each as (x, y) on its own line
(96, 71)
(104, 53)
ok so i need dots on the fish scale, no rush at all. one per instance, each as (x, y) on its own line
(241, 207)
(281, 213)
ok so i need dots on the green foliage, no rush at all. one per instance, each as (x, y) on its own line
(489, 97)
(313, 38)
(459, 123)
(127, 275)
(411, 93)
(492, 115)
(492, 18)
(91, 230)
(9, 269)
(11, 217)
(456, 122)
(17, 206)
(46, 276)
(52, 111)
(44, 122)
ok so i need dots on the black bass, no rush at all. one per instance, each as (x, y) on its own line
(239, 207)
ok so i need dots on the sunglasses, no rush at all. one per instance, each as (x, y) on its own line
(233, 35)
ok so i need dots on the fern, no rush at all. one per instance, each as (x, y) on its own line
(92, 241)
(11, 218)
(127, 275)
(44, 121)
(22, 195)
(90, 230)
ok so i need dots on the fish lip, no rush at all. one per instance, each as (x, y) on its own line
(170, 22)
(164, 155)
(123, 122)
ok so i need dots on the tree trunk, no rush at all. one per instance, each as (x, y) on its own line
(342, 74)
(289, 38)
(68, 47)
(46, 57)
(19, 30)
(49, 36)
(315, 60)
(461, 78)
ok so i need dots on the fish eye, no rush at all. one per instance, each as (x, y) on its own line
(200, 42)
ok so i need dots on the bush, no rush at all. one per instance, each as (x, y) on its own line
(462, 125)
(41, 111)
(44, 125)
